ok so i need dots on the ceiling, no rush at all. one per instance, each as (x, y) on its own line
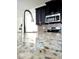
(28, 4)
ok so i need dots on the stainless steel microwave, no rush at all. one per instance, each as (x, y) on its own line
(52, 18)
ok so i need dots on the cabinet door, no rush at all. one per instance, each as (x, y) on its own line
(43, 15)
(53, 6)
(40, 15)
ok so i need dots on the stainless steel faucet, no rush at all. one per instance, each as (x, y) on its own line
(25, 20)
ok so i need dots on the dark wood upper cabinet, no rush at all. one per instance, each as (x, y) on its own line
(40, 15)
(54, 6)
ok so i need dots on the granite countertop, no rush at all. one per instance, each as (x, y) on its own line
(40, 46)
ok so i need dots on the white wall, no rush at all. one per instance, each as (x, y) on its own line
(27, 4)
(31, 26)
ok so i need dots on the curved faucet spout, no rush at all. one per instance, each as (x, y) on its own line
(30, 14)
(24, 18)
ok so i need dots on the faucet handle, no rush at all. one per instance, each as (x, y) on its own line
(20, 28)
(21, 25)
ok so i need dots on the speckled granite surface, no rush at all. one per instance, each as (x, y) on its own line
(41, 45)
